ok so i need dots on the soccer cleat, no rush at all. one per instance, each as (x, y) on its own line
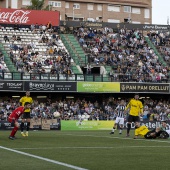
(26, 134)
(111, 133)
(11, 137)
(22, 133)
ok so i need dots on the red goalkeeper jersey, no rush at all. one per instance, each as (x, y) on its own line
(17, 113)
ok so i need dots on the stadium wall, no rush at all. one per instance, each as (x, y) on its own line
(85, 87)
(54, 124)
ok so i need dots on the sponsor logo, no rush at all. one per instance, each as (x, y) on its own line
(18, 16)
(90, 24)
(7, 124)
(155, 27)
(14, 85)
(149, 124)
(141, 87)
(1, 85)
(63, 87)
(41, 86)
(92, 85)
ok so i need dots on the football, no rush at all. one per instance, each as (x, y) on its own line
(56, 114)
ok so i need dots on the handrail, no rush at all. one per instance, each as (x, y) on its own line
(79, 77)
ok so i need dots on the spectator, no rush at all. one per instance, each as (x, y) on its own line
(6, 38)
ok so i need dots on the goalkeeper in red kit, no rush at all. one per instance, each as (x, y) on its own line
(14, 116)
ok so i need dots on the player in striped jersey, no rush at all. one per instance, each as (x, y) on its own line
(120, 117)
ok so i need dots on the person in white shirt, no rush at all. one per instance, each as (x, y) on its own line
(120, 117)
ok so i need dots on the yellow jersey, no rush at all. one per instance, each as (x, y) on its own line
(25, 99)
(136, 107)
(142, 131)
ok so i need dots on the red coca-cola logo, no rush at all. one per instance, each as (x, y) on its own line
(18, 16)
(28, 17)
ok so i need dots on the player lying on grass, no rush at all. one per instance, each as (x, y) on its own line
(14, 116)
(165, 127)
(144, 132)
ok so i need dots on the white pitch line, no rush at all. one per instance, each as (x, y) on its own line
(120, 147)
(45, 159)
(127, 138)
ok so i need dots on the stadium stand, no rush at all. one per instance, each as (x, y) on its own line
(35, 51)
(127, 55)
(160, 43)
(39, 53)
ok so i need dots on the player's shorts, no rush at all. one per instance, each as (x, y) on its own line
(161, 134)
(119, 120)
(26, 115)
(133, 118)
(148, 135)
(12, 121)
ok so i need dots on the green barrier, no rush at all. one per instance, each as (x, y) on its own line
(86, 125)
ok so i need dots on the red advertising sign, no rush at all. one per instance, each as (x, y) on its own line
(28, 17)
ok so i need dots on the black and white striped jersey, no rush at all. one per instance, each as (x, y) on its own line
(120, 110)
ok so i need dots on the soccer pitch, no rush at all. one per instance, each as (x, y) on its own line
(82, 150)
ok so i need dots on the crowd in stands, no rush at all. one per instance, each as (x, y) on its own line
(37, 49)
(162, 41)
(127, 52)
(3, 67)
(75, 109)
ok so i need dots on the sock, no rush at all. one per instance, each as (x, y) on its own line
(113, 129)
(28, 126)
(120, 131)
(128, 128)
(14, 130)
(22, 126)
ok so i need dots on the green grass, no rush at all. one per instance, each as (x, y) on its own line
(93, 150)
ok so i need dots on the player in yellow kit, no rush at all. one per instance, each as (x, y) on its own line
(144, 132)
(135, 107)
(26, 116)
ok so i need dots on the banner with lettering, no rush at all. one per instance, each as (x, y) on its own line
(45, 124)
(11, 86)
(98, 87)
(28, 17)
(35, 124)
(116, 25)
(86, 125)
(51, 86)
(103, 125)
(144, 87)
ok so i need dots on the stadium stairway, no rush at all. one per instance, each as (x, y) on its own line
(79, 57)
(74, 49)
(11, 67)
(160, 58)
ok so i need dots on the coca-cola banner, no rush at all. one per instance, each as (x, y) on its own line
(28, 17)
